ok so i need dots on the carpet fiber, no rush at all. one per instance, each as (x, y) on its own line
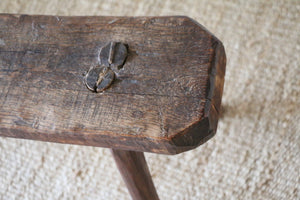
(256, 151)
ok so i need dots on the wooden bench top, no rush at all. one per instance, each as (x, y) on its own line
(164, 99)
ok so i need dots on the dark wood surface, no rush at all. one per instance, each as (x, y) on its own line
(135, 173)
(165, 99)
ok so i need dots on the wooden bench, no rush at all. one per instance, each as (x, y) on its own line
(132, 84)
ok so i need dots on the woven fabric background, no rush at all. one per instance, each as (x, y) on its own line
(256, 151)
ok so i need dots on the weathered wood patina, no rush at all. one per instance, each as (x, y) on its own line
(164, 99)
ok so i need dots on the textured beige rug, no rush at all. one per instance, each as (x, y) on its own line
(256, 152)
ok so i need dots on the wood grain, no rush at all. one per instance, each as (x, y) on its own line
(165, 99)
(135, 173)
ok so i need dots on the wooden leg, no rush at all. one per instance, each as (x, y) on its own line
(134, 170)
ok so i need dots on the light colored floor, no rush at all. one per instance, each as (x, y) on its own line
(256, 152)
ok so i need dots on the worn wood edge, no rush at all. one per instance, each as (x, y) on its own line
(201, 131)
(129, 143)
(17, 15)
